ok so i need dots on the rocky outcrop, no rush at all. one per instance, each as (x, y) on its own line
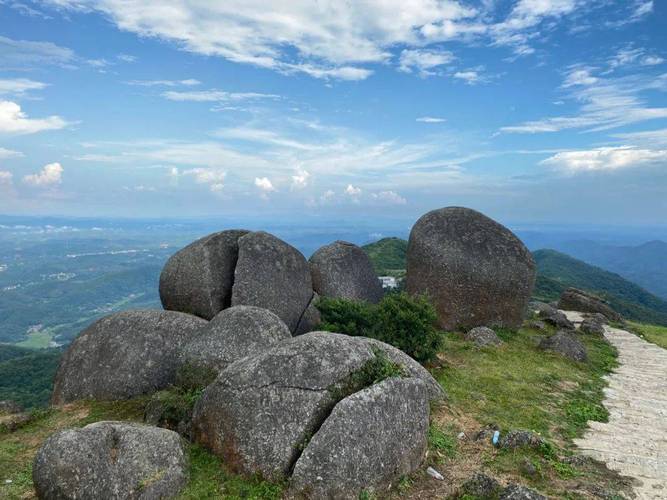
(273, 275)
(233, 334)
(555, 317)
(578, 300)
(518, 492)
(198, 279)
(592, 326)
(371, 438)
(262, 414)
(124, 355)
(476, 272)
(565, 344)
(111, 460)
(480, 485)
(483, 336)
(343, 270)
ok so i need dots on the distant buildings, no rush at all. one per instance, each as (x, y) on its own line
(389, 282)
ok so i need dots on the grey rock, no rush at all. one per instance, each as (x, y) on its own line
(556, 318)
(537, 325)
(233, 334)
(311, 318)
(9, 407)
(518, 492)
(592, 327)
(565, 344)
(124, 355)
(370, 439)
(479, 485)
(476, 272)
(273, 275)
(343, 270)
(573, 299)
(536, 307)
(111, 460)
(262, 409)
(411, 367)
(198, 279)
(14, 421)
(483, 336)
(520, 439)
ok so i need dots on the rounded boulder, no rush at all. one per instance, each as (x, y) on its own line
(111, 460)
(123, 355)
(476, 271)
(343, 270)
(198, 279)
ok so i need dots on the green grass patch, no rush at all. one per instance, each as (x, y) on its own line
(651, 333)
(442, 442)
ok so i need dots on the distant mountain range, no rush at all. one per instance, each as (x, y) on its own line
(556, 272)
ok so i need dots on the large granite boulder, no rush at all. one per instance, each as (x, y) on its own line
(343, 270)
(198, 279)
(310, 319)
(565, 344)
(261, 412)
(371, 438)
(124, 355)
(578, 300)
(111, 460)
(233, 334)
(476, 272)
(273, 275)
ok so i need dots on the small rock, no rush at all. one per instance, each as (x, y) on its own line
(592, 327)
(518, 492)
(15, 421)
(8, 407)
(556, 318)
(483, 337)
(435, 474)
(565, 344)
(481, 486)
(573, 299)
(461, 436)
(486, 433)
(519, 439)
(537, 325)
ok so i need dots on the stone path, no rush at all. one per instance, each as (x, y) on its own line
(634, 441)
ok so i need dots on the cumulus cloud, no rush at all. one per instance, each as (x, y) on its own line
(15, 121)
(5, 178)
(264, 185)
(430, 119)
(350, 190)
(389, 197)
(470, 77)
(213, 177)
(423, 61)
(51, 175)
(300, 179)
(19, 86)
(605, 159)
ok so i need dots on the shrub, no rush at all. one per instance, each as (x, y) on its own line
(405, 322)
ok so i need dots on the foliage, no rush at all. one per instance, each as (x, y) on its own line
(405, 322)
(652, 333)
(442, 442)
(191, 377)
(26, 376)
(388, 256)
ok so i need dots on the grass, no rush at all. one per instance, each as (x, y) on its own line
(38, 340)
(652, 333)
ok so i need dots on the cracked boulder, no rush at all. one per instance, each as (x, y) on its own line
(476, 271)
(124, 355)
(233, 334)
(111, 460)
(273, 275)
(198, 279)
(343, 270)
(311, 318)
(261, 412)
(371, 438)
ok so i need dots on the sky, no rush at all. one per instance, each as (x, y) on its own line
(532, 111)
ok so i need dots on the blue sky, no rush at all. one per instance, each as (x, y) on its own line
(529, 110)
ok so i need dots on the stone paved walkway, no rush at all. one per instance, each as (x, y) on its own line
(634, 441)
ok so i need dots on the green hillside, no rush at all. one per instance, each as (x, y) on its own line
(557, 271)
(388, 256)
(26, 375)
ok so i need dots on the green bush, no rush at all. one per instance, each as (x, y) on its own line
(405, 322)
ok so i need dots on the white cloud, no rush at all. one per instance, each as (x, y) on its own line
(15, 121)
(19, 86)
(5, 178)
(350, 190)
(423, 61)
(215, 96)
(50, 175)
(470, 77)
(213, 177)
(8, 153)
(652, 60)
(430, 119)
(580, 76)
(264, 185)
(21, 53)
(189, 82)
(605, 159)
(128, 58)
(650, 138)
(300, 179)
(389, 197)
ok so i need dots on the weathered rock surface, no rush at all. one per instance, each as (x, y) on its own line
(556, 318)
(124, 355)
(591, 326)
(566, 344)
(371, 438)
(537, 325)
(483, 336)
(10, 407)
(518, 492)
(343, 270)
(273, 275)
(476, 272)
(311, 318)
(578, 300)
(111, 460)
(519, 438)
(233, 334)
(479, 485)
(261, 412)
(198, 279)
(536, 307)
